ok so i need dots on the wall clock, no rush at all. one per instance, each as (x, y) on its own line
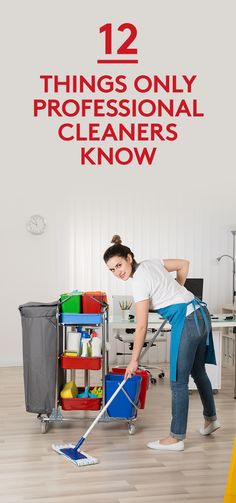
(36, 224)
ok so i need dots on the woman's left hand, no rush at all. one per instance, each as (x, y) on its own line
(131, 369)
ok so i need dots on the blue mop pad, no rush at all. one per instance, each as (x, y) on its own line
(77, 457)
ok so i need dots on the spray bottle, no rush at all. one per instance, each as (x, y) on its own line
(96, 345)
(85, 344)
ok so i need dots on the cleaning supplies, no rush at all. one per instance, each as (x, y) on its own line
(96, 345)
(73, 341)
(70, 353)
(90, 394)
(96, 392)
(85, 344)
(71, 302)
(69, 390)
(85, 393)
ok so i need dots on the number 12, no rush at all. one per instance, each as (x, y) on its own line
(125, 47)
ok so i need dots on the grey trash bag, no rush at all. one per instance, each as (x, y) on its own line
(39, 335)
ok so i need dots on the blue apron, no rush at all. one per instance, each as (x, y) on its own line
(176, 315)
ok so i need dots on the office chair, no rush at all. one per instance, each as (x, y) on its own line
(145, 345)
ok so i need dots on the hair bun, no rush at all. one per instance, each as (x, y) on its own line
(116, 240)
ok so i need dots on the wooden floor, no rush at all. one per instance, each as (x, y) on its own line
(128, 471)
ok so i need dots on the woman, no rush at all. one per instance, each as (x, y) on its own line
(191, 336)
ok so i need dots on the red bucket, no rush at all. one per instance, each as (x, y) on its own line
(144, 383)
(91, 302)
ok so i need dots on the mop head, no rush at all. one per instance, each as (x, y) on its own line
(80, 458)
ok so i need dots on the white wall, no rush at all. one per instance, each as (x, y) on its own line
(182, 207)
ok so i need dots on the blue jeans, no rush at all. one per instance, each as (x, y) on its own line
(191, 359)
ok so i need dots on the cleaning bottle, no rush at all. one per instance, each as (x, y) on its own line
(96, 345)
(82, 337)
(85, 344)
(73, 341)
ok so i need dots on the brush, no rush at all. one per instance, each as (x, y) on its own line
(72, 452)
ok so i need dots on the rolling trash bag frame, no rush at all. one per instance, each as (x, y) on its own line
(39, 337)
(41, 346)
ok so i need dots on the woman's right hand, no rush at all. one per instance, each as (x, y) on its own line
(131, 369)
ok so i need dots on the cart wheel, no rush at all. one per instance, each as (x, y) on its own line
(44, 426)
(131, 429)
(161, 375)
(153, 380)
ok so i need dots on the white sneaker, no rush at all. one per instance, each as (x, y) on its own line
(178, 446)
(213, 426)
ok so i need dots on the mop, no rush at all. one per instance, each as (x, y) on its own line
(72, 452)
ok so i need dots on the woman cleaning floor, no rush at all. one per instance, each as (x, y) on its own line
(191, 335)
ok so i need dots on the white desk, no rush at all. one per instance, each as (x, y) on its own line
(218, 322)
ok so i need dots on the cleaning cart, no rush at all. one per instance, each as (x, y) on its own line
(37, 319)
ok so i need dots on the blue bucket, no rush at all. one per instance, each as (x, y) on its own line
(121, 406)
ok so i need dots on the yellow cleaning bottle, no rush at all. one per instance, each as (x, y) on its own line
(69, 390)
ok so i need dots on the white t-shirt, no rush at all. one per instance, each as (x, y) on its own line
(152, 281)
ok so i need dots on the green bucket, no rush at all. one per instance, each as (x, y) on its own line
(71, 302)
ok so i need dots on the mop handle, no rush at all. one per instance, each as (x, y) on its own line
(100, 414)
(105, 408)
